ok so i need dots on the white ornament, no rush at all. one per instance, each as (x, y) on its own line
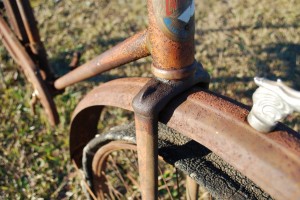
(272, 102)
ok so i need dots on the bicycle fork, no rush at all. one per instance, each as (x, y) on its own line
(169, 39)
(147, 105)
(171, 43)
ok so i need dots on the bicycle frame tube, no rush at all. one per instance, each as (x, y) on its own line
(169, 39)
(15, 20)
(24, 45)
(30, 68)
(22, 19)
(129, 50)
(271, 161)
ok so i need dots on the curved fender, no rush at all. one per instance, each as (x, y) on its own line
(214, 121)
(117, 93)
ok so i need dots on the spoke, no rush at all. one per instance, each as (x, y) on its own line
(165, 183)
(112, 189)
(133, 155)
(177, 181)
(133, 180)
(119, 174)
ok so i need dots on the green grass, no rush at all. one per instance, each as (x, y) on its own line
(235, 41)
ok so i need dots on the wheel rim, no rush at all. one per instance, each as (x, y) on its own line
(115, 174)
(33, 74)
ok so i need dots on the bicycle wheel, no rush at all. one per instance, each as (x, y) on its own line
(30, 70)
(110, 168)
(16, 41)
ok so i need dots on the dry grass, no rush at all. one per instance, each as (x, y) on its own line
(236, 40)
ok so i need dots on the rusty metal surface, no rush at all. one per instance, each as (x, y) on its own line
(131, 49)
(99, 165)
(75, 60)
(173, 74)
(29, 24)
(147, 105)
(172, 59)
(192, 189)
(31, 71)
(34, 42)
(157, 93)
(87, 113)
(10, 50)
(14, 18)
(271, 161)
(175, 18)
(221, 126)
(147, 148)
(167, 53)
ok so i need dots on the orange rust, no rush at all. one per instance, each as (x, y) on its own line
(172, 59)
(288, 140)
(15, 21)
(31, 71)
(127, 51)
(215, 122)
(147, 147)
(28, 22)
(168, 54)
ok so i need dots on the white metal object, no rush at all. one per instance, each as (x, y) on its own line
(272, 102)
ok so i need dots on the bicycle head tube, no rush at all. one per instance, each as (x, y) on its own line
(171, 38)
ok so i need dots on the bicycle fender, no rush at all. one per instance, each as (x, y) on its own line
(219, 123)
(117, 93)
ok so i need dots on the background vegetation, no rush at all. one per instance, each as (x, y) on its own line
(235, 41)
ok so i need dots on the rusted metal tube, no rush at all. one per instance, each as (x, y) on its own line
(171, 39)
(31, 71)
(17, 47)
(10, 50)
(36, 46)
(14, 18)
(147, 104)
(29, 24)
(214, 121)
(147, 147)
(131, 49)
(192, 189)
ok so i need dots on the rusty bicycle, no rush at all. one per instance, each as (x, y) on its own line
(177, 119)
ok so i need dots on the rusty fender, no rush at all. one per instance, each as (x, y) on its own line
(271, 160)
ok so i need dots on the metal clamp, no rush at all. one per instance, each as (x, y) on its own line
(272, 102)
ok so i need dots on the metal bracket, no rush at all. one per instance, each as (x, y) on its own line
(147, 104)
(272, 102)
(158, 92)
